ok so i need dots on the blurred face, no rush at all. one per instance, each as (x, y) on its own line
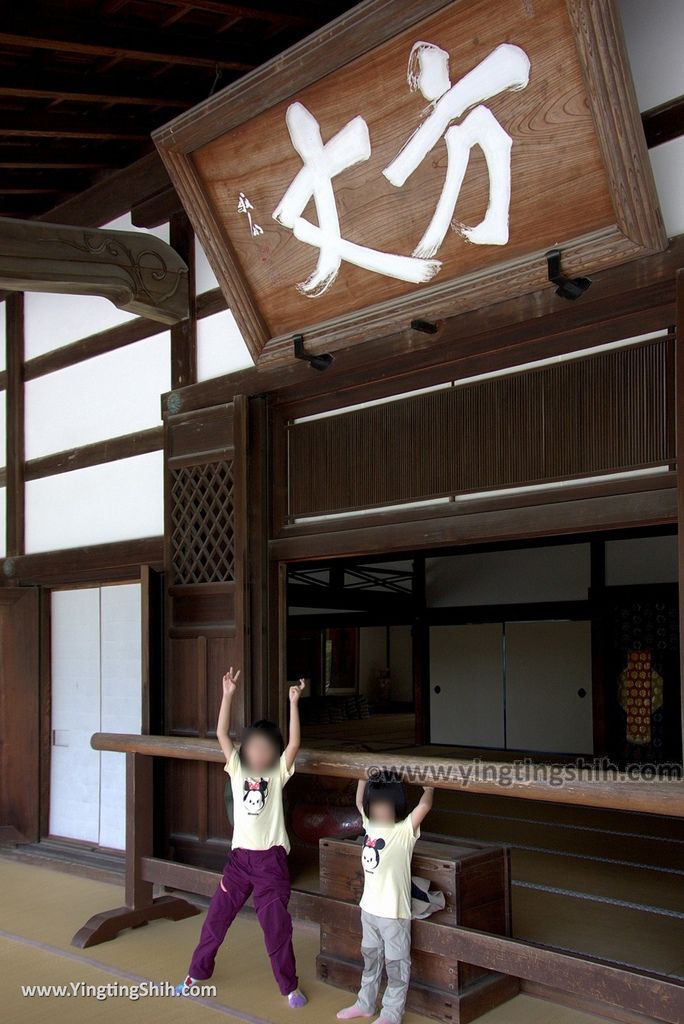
(260, 754)
(382, 812)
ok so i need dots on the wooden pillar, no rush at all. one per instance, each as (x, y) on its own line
(679, 395)
(15, 424)
(184, 333)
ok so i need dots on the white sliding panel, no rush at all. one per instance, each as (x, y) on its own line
(548, 667)
(466, 685)
(74, 765)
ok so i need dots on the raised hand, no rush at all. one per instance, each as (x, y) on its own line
(230, 681)
(296, 691)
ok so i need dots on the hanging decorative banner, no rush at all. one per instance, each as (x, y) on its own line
(416, 159)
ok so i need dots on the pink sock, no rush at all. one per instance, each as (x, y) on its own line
(351, 1012)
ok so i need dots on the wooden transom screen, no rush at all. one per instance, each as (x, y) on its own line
(416, 159)
(607, 413)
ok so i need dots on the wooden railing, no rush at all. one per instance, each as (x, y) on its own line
(563, 784)
(596, 984)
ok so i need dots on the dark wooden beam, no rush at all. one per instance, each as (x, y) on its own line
(114, 194)
(99, 39)
(15, 424)
(137, 272)
(664, 122)
(124, 447)
(299, 595)
(587, 788)
(467, 524)
(184, 333)
(41, 86)
(239, 11)
(156, 210)
(640, 295)
(42, 124)
(116, 561)
(94, 345)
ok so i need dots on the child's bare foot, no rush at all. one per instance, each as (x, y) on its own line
(296, 999)
(352, 1012)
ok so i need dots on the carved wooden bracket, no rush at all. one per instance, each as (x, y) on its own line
(133, 269)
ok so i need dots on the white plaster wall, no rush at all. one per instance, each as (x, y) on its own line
(559, 573)
(116, 501)
(107, 396)
(641, 560)
(220, 346)
(96, 686)
(654, 33)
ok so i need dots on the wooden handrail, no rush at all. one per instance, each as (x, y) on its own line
(608, 790)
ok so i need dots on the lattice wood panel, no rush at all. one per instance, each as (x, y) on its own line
(605, 413)
(203, 523)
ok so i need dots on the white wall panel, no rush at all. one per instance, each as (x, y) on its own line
(115, 501)
(668, 169)
(641, 560)
(75, 766)
(220, 347)
(205, 278)
(559, 573)
(654, 31)
(113, 394)
(120, 700)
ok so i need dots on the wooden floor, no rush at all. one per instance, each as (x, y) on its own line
(40, 909)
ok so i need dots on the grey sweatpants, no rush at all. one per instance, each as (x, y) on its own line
(385, 941)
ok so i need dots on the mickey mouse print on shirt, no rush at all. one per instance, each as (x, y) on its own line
(370, 855)
(254, 798)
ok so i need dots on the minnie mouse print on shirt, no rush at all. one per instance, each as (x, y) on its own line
(370, 857)
(254, 798)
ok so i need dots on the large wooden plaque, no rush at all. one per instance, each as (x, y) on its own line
(415, 160)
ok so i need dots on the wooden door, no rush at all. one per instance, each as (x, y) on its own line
(205, 530)
(20, 710)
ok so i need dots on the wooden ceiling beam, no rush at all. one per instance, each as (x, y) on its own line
(243, 11)
(131, 44)
(45, 124)
(49, 87)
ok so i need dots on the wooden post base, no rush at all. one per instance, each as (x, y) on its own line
(106, 926)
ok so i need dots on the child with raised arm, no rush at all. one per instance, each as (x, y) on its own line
(386, 854)
(258, 861)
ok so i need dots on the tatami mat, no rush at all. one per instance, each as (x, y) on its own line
(42, 909)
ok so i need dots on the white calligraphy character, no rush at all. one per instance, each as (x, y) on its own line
(321, 163)
(507, 67)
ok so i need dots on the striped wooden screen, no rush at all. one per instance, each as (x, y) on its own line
(604, 413)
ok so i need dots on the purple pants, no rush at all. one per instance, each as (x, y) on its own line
(265, 874)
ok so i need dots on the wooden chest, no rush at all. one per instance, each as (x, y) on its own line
(474, 878)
